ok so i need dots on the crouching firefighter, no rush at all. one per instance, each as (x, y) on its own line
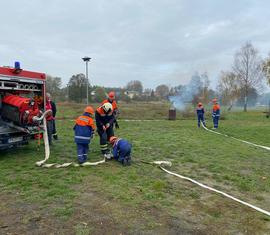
(84, 130)
(104, 121)
(200, 114)
(121, 150)
(215, 113)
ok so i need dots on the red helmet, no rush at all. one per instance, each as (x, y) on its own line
(113, 139)
(89, 109)
(111, 95)
(199, 104)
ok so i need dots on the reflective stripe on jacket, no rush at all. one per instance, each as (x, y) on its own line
(200, 111)
(84, 129)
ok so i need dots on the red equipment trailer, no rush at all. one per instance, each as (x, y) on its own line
(22, 101)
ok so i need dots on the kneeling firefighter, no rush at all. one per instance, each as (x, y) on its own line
(84, 130)
(121, 150)
(104, 121)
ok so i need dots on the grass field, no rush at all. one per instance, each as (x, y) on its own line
(142, 199)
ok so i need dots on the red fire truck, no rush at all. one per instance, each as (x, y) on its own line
(22, 103)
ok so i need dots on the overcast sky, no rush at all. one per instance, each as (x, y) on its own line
(154, 41)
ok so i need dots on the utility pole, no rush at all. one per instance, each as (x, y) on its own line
(86, 59)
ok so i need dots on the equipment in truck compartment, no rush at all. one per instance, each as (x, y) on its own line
(19, 110)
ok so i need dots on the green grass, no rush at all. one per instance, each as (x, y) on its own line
(153, 201)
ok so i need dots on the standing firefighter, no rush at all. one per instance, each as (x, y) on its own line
(49, 119)
(54, 110)
(200, 114)
(111, 100)
(104, 121)
(121, 150)
(84, 129)
(215, 113)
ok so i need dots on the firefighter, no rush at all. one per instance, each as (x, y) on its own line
(112, 101)
(54, 110)
(121, 150)
(49, 119)
(200, 114)
(215, 113)
(104, 121)
(83, 130)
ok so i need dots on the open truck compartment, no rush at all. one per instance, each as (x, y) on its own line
(21, 103)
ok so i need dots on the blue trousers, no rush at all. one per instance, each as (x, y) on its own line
(201, 119)
(215, 121)
(82, 150)
(124, 154)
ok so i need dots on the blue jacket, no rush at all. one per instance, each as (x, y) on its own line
(200, 111)
(216, 110)
(121, 149)
(83, 129)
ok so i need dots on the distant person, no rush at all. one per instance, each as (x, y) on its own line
(112, 101)
(215, 113)
(49, 119)
(84, 129)
(104, 121)
(200, 114)
(54, 110)
(121, 150)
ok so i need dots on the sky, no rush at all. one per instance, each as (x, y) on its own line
(154, 41)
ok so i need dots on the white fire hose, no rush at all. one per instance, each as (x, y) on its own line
(161, 165)
(47, 150)
(243, 141)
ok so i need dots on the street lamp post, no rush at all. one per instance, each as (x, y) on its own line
(86, 59)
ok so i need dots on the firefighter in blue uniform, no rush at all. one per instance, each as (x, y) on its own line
(104, 121)
(121, 150)
(200, 114)
(215, 113)
(84, 130)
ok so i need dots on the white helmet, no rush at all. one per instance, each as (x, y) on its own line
(107, 107)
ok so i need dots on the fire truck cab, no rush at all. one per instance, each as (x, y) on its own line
(22, 102)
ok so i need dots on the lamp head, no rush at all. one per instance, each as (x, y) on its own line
(86, 59)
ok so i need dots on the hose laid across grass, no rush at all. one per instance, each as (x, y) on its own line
(161, 165)
(43, 163)
(216, 191)
(243, 141)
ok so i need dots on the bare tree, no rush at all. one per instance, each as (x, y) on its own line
(266, 69)
(53, 85)
(162, 91)
(229, 88)
(247, 68)
(135, 85)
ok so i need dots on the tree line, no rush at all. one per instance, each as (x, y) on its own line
(238, 86)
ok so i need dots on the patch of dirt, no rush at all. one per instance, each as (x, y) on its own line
(104, 215)
(18, 217)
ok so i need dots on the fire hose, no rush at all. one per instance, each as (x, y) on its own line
(243, 141)
(161, 165)
(43, 163)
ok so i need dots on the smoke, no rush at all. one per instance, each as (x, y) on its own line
(177, 102)
(185, 94)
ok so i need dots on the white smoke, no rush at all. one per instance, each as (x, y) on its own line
(185, 94)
